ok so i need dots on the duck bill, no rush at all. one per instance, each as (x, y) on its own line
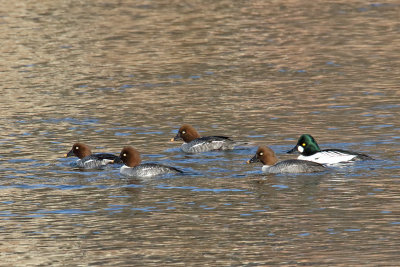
(293, 150)
(117, 160)
(69, 154)
(253, 159)
(176, 138)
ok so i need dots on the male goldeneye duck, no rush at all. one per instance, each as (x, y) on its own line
(266, 156)
(309, 150)
(194, 143)
(131, 158)
(87, 160)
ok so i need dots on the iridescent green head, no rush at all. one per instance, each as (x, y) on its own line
(306, 145)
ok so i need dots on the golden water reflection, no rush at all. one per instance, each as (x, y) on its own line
(119, 72)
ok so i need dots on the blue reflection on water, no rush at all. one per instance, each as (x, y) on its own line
(65, 211)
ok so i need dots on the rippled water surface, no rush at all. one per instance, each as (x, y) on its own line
(116, 73)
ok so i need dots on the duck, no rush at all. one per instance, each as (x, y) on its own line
(266, 156)
(87, 160)
(309, 150)
(194, 143)
(133, 168)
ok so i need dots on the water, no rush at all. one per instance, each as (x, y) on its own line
(118, 73)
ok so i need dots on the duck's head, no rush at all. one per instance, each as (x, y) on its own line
(265, 155)
(186, 133)
(80, 150)
(130, 156)
(306, 146)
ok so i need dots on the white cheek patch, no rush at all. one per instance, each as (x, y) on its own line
(300, 149)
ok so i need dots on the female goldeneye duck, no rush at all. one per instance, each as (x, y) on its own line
(131, 158)
(309, 150)
(88, 160)
(266, 156)
(194, 143)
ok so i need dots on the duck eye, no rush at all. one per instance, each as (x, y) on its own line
(183, 132)
(77, 147)
(304, 144)
(124, 155)
(261, 153)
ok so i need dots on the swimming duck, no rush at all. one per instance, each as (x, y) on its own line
(194, 143)
(87, 160)
(131, 158)
(309, 150)
(271, 165)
